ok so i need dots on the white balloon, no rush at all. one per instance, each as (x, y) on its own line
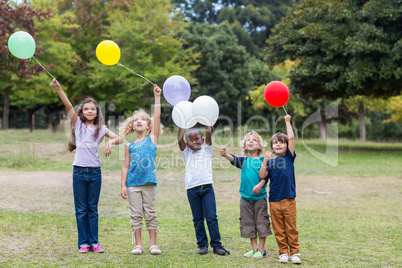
(206, 110)
(182, 115)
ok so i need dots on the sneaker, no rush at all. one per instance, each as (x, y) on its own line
(155, 250)
(97, 249)
(219, 250)
(249, 254)
(295, 258)
(83, 249)
(203, 250)
(259, 254)
(284, 257)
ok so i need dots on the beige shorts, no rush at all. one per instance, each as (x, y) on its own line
(142, 205)
(254, 218)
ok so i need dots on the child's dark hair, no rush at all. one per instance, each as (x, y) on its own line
(193, 130)
(279, 137)
(98, 122)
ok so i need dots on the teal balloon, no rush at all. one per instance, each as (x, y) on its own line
(22, 45)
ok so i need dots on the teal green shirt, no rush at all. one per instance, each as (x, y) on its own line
(250, 177)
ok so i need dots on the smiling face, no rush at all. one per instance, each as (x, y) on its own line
(279, 144)
(140, 122)
(194, 140)
(89, 111)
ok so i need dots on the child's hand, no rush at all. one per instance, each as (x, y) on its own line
(268, 154)
(157, 91)
(287, 118)
(55, 84)
(223, 152)
(124, 192)
(108, 149)
(257, 189)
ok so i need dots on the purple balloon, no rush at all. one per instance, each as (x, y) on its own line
(176, 89)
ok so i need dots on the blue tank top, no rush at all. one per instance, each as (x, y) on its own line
(142, 163)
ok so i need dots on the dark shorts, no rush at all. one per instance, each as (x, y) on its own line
(254, 218)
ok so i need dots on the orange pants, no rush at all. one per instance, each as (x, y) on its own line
(283, 217)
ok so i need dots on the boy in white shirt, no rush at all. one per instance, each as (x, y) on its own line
(200, 193)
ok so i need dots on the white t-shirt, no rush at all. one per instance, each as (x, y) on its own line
(86, 153)
(198, 166)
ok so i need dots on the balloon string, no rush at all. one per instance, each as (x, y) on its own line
(119, 64)
(217, 137)
(285, 110)
(43, 67)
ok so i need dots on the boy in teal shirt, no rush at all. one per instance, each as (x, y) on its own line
(254, 217)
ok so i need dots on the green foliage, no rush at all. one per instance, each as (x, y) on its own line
(224, 66)
(148, 38)
(15, 17)
(147, 33)
(250, 20)
(394, 107)
(345, 48)
(280, 72)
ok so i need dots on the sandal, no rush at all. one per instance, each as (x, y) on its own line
(137, 250)
(155, 250)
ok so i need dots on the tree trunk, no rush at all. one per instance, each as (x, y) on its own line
(31, 118)
(6, 109)
(362, 124)
(322, 127)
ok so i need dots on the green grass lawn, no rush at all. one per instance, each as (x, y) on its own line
(348, 215)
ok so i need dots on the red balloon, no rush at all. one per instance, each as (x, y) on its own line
(276, 93)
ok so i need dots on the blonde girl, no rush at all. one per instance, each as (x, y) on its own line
(138, 179)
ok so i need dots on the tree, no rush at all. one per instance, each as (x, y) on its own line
(33, 94)
(146, 33)
(226, 71)
(15, 17)
(251, 20)
(346, 48)
(148, 37)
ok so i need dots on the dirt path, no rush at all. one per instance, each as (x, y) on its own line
(51, 191)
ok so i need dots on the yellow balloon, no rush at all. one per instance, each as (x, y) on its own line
(108, 52)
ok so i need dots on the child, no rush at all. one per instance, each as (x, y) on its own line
(88, 130)
(200, 193)
(254, 217)
(282, 193)
(138, 179)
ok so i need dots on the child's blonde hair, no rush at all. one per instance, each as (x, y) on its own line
(126, 128)
(261, 143)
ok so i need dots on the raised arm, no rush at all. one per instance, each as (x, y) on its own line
(227, 156)
(180, 139)
(69, 107)
(291, 135)
(263, 168)
(157, 116)
(124, 172)
(114, 139)
(208, 138)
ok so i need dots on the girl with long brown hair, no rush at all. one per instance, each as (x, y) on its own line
(88, 131)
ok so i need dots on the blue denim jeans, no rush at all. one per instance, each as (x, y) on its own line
(203, 205)
(87, 183)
